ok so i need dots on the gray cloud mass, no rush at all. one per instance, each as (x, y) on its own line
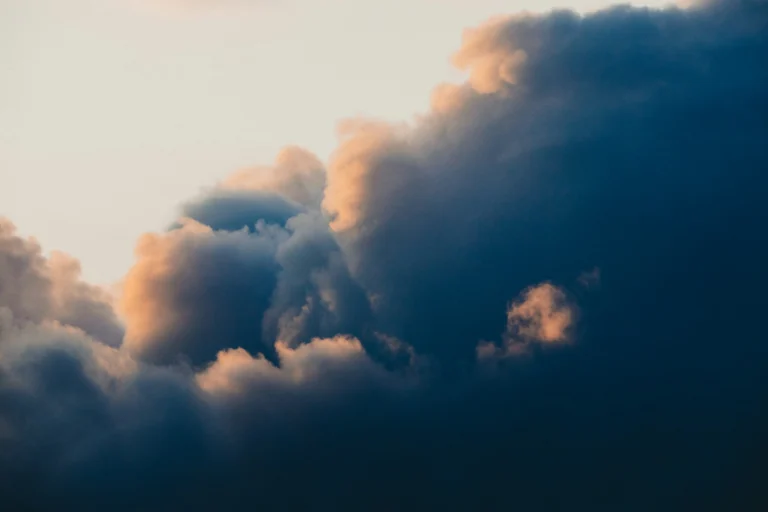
(546, 294)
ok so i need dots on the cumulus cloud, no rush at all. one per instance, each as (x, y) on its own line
(491, 65)
(271, 194)
(309, 338)
(346, 197)
(612, 116)
(195, 291)
(25, 289)
(297, 175)
(34, 288)
(315, 294)
(322, 366)
(543, 314)
(232, 210)
(82, 305)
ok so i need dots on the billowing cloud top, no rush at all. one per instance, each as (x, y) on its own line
(545, 295)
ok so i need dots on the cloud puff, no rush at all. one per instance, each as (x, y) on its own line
(322, 366)
(81, 305)
(346, 197)
(542, 314)
(308, 350)
(297, 175)
(35, 289)
(82, 420)
(491, 65)
(271, 194)
(25, 289)
(232, 210)
(315, 294)
(195, 291)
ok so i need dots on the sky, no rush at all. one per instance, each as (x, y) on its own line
(102, 103)
(544, 291)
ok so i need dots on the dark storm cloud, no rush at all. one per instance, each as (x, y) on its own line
(631, 139)
(315, 296)
(547, 295)
(81, 423)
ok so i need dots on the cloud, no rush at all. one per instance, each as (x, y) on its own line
(25, 289)
(81, 305)
(195, 291)
(297, 175)
(83, 419)
(272, 194)
(543, 315)
(315, 295)
(232, 210)
(618, 115)
(322, 366)
(302, 349)
(490, 64)
(346, 197)
(35, 289)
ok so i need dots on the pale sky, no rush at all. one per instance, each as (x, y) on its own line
(113, 112)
